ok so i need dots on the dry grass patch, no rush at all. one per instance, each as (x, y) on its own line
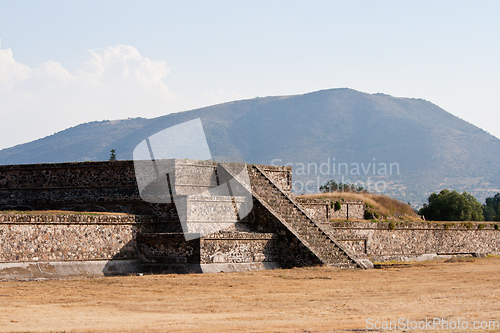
(385, 206)
(318, 299)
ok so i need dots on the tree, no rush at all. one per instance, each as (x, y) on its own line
(333, 186)
(112, 155)
(452, 206)
(490, 208)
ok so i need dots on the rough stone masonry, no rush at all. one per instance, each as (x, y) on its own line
(125, 234)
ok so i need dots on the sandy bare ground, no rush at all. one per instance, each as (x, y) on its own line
(298, 300)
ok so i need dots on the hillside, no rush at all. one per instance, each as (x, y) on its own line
(427, 147)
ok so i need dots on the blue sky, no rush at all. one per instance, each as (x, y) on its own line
(67, 62)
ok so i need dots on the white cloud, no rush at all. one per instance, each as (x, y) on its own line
(11, 71)
(113, 83)
(124, 63)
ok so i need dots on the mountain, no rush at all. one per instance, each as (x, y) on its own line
(409, 147)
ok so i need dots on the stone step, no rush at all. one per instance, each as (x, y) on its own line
(313, 233)
(310, 229)
(333, 257)
(319, 239)
(336, 256)
(320, 243)
(323, 243)
(335, 261)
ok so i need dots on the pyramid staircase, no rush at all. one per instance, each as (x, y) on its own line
(286, 209)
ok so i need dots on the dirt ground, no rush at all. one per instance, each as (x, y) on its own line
(297, 300)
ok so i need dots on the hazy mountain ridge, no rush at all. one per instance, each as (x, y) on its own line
(431, 146)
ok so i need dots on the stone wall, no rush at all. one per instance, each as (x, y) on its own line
(290, 252)
(237, 247)
(381, 242)
(63, 237)
(167, 248)
(150, 232)
(87, 186)
(72, 237)
(350, 209)
(322, 210)
(104, 186)
(281, 175)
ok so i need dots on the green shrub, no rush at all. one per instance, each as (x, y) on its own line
(447, 226)
(452, 206)
(481, 226)
(392, 226)
(468, 225)
(496, 226)
(370, 215)
(337, 206)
